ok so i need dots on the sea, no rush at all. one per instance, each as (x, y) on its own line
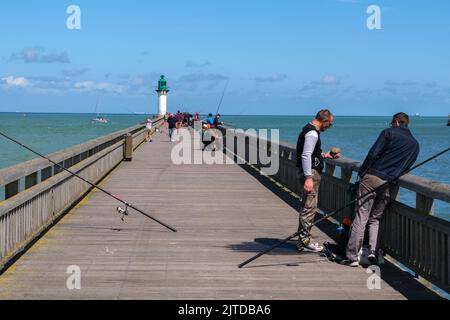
(48, 133)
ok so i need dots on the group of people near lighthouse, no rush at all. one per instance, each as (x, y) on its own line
(392, 155)
(185, 119)
(177, 121)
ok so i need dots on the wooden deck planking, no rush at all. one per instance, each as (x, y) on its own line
(219, 211)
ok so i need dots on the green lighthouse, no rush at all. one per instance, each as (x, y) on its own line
(162, 91)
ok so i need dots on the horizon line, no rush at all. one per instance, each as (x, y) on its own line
(222, 114)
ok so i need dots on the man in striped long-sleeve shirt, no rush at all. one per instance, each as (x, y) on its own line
(310, 164)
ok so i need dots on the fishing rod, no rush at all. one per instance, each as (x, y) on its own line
(122, 211)
(223, 95)
(339, 210)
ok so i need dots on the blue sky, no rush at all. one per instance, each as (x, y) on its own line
(280, 57)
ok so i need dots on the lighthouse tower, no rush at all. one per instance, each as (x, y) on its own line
(162, 91)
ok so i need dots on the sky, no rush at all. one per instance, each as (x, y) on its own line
(287, 57)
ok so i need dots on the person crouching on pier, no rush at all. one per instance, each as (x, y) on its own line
(390, 157)
(310, 163)
(217, 122)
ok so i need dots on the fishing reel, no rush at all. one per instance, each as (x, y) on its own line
(123, 212)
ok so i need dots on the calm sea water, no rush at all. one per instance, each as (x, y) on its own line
(48, 133)
(354, 135)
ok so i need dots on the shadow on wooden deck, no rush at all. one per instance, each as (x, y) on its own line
(260, 244)
(402, 281)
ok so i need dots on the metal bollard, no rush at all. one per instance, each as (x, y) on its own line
(128, 147)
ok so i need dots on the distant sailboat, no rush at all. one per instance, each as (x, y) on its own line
(98, 118)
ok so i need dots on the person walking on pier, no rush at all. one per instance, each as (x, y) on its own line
(310, 162)
(166, 120)
(393, 154)
(179, 117)
(148, 130)
(172, 126)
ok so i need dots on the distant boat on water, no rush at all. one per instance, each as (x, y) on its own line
(99, 118)
(448, 121)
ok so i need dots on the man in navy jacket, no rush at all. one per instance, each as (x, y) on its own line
(392, 155)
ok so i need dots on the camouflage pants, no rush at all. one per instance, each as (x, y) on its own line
(308, 207)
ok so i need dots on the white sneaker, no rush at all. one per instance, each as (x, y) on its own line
(311, 247)
(350, 263)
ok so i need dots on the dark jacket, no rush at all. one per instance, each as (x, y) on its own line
(172, 122)
(316, 157)
(392, 155)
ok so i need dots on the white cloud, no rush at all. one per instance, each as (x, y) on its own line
(14, 82)
(49, 84)
(330, 79)
(103, 86)
(87, 85)
(38, 55)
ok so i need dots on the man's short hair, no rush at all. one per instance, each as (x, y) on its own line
(323, 115)
(402, 118)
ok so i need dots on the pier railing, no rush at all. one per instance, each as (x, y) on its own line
(412, 235)
(37, 193)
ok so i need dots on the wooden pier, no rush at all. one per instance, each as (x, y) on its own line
(224, 214)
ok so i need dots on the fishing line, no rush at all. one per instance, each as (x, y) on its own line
(339, 210)
(223, 95)
(122, 211)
